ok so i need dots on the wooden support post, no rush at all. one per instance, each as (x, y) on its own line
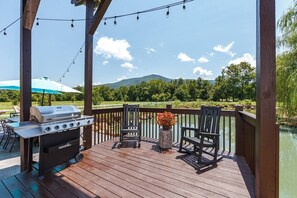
(25, 86)
(266, 172)
(29, 13)
(239, 131)
(87, 136)
(104, 4)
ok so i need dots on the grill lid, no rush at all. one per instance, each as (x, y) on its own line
(43, 114)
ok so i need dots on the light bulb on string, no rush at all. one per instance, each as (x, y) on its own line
(37, 22)
(73, 62)
(4, 32)
(115, 21)
(167, 13)
(72, 25)
(80, 51)
(137, 16)
(184, 5)
(104, 21)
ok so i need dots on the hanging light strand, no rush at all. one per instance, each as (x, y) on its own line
(71, 63)
(183, 3)
(5, 29)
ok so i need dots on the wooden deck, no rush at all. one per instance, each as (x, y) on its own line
(134, 172)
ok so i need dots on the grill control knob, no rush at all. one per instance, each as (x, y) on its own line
(78, 123)
(64, 126)
(47, 129)
(56, 127)
(89, 121)
(71, 124)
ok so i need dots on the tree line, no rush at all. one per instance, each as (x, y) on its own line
(286, 64)
(236, 82)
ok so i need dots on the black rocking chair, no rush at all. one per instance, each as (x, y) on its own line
(131, 126)
(205, 137)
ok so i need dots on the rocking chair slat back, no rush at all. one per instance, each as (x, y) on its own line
(209, 120)
(131, 116)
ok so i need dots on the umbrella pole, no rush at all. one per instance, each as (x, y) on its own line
(42, 99)
(50, 99)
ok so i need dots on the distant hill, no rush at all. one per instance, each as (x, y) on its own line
(136, 81)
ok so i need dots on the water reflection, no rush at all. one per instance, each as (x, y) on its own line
(288, 162)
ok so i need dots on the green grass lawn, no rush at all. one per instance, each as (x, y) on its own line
(249, 106)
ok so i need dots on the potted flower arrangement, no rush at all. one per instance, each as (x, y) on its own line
(166, 120)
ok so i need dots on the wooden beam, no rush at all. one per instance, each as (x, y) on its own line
(98, 15)
(29, 13)
(88, 73)
(266, 173)
(25, 85)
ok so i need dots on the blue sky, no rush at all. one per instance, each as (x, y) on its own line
(197, 42)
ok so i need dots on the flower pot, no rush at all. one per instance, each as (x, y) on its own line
(166, 127)
(165, 138)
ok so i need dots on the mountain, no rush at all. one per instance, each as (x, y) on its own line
(136, 81)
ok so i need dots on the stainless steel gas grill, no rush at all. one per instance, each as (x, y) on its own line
(58, 130)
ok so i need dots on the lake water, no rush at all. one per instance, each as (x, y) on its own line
(288, 162)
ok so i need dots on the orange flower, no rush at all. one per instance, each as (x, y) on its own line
(165, 119)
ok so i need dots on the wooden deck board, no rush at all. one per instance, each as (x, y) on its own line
(135, 172)
(205, 184)
(4, 191)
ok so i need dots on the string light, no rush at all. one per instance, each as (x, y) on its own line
(183, 2)
(72, 25)
(71, 63)
(4, 29)
(115, 20)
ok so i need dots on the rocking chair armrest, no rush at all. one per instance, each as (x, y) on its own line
(183, 129)
(189, 128)
(203, 134)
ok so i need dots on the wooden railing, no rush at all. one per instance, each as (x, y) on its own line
(108, 122)
(246, 137)
(248, 133)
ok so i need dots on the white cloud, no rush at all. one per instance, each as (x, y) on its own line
(202, 72)
(121, 78)
(203, 60)
(128, 66)
(150, 50)
(97, 83)
(247, 57)
(211, 54)
(225, 49)
(112, 48)
(105, 62)
(185, 58)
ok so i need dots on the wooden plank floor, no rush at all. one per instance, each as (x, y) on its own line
(107, 171)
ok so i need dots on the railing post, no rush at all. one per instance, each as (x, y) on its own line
(239, 135)
(168, 107)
